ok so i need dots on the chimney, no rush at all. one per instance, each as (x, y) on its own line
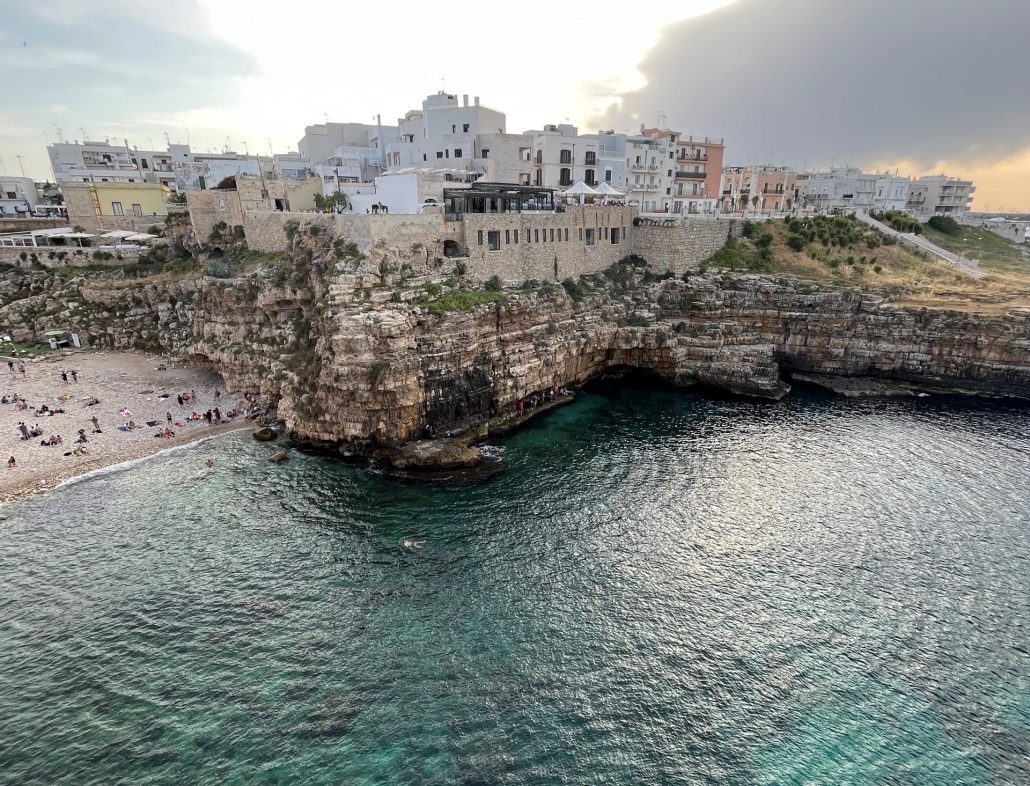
(477, 100)
(465, 100)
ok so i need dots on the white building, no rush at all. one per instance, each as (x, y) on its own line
(840, 188)
(891, 192)
(18, 195)
(940, 195)
(89, 162)
(321, 140)
(650, 171)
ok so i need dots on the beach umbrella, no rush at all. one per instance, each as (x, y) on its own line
(579, 190)
(609, 190)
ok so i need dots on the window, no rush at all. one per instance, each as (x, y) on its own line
(485, 152)
(507, 236)
(591, 158)
(457, 152)
(590, 236)
(566, 234)
(607, 176)
(454, 129)
(465, 127)
(565, 177)
(145, 164)
(589, 177)
(516, 235)
(581, 234)
(479, 237)
(552, 235)
(565, 157)
(439, 154)
(11, 195)
(493, 240)
(116, 208)
(536, 235)
(137, 210)
(615, 236)
(669, 173)
(606, 233)
(423, 156)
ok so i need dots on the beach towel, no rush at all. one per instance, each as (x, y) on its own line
(163, 395)
(125, 413)
(153, 422)
(123, 428)
(180, 424)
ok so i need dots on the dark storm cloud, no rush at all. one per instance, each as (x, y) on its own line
(106, 61)
(863, 80)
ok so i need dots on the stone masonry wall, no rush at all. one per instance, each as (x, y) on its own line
(547, 246)
(682, 246)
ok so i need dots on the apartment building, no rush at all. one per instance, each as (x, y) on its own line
(18, 196)
(940, 195)
(101, 206)
(840, 188)
(774, 187)
(93, 162)
(697, 170)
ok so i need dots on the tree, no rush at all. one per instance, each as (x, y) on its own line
(754, 201)
(743, 201)
(333, 203)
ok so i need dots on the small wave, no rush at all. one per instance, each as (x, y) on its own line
(111, 469)
(492, 451)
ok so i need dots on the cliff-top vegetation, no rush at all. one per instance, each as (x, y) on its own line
(842, 250)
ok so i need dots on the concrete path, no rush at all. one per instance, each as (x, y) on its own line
(916, 241)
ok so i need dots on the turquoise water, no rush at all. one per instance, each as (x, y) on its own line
(659, 588)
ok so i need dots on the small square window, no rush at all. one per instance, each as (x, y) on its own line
(493, 240)
(117, 209)
(439, 154)
(457, 152)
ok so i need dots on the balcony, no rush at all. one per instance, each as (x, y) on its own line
(692, 158)
(692, 175)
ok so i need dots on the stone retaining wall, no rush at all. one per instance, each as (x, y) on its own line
(684, 245)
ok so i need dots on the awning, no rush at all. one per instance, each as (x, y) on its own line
(139, 236)
(118, 233)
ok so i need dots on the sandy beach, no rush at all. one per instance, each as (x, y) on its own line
(123, 382)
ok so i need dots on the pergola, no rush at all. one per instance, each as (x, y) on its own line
(497, 198)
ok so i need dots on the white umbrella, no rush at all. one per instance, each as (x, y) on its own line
(140, 236)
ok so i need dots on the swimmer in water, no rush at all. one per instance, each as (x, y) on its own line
(210, 463)
(413, 544)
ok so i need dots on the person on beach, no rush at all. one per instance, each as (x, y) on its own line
(11, 463)
(64, 377)
(10, 365)
(21, 369)
(168, 417)
(24, 430)
(207, 417)
(218, 415)
(96, 425)
(82, 437)
(218, 394)
(75, 376)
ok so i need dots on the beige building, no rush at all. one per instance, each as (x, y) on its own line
(99, 206)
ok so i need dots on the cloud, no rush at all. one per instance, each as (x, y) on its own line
(105, 60)
(813, 81)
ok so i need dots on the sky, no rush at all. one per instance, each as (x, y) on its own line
(918, 85)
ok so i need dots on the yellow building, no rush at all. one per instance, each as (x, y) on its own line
(107, 206)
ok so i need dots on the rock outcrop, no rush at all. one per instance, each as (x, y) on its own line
(352, 366)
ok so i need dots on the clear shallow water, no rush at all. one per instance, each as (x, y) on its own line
(659, 589)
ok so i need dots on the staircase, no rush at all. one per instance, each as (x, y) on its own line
(968, 266)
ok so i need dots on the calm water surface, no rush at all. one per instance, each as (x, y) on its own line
(659, 589)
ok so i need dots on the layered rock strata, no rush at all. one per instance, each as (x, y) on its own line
(368, 372)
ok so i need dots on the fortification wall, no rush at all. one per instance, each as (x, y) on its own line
(265, 230)
(546, 246)
(682, 246)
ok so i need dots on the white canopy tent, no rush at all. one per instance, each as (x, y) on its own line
(118, 234)
(579, 190)
(610, 192)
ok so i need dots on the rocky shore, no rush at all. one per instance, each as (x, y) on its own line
(362, 358)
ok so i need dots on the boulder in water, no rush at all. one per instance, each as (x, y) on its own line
(279, 456)
(265, 434)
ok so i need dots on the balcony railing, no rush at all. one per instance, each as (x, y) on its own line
(692, 158)
(693, 175)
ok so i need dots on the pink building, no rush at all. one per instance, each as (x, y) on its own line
(773, 185)
(697, 171)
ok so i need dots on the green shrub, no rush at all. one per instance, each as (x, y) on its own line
(796, 242)
(216, 268)
(945, 224)
(574, 289)
(433, 289)
(493, 284)
(460, 301)
(376, 371)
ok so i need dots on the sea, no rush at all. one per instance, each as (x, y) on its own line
(658, 588)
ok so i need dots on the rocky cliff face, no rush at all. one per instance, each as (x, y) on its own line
(352, 364)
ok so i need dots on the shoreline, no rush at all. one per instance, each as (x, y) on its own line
(46, 480)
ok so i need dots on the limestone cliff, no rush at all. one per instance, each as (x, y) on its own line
(354, 360)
